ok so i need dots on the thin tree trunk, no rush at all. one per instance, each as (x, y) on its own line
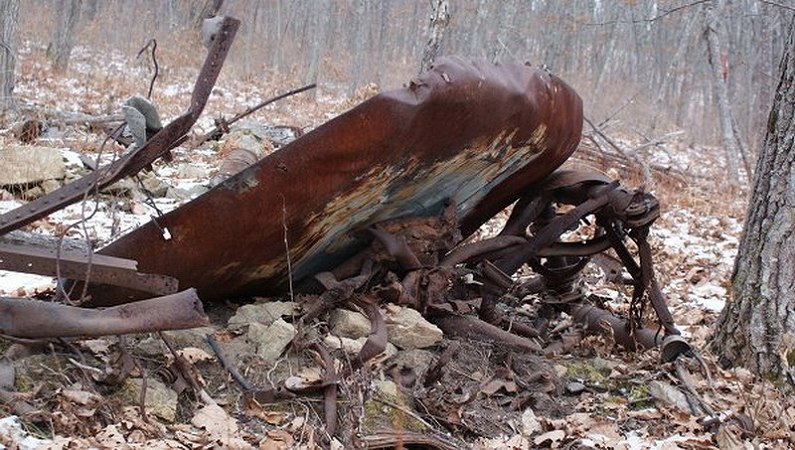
(67, 13)
(721, 91)
(757, 327)
(440, 18)
(9, 12)
(361, 22)
(320, 24)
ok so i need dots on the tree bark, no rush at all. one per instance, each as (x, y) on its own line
(9, 11)
(757, 327)
(440, 18)
(720, 86)
(60, 48)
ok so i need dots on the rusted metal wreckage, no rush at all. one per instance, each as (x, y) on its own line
(377, 201)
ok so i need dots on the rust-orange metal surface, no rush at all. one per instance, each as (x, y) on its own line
(476, 133)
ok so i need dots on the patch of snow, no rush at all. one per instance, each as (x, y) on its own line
(11, 428)
(11, 282)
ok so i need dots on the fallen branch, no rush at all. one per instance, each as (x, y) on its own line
(26, 318)
(223, 125)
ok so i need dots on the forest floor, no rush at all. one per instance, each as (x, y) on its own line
(594, 395)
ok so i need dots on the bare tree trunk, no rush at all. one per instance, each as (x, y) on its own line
(210, 9)
(66, 14)
(360, 38)
(9, 11)
(721, 90)
(440, 18)
(320, 24)
(757, 327)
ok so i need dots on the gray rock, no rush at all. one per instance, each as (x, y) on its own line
(256, 129)
(407, 329)
(195, 191)
(263, 313)
(349, 324)
(149, 345)
(33, 193)
(410, 366)
(270, 340)
(121, 188)
(669, 395)
(353, 346)
(30, 164)
(194, 337)
(575, 387)
(160, 400)
(386, 388)
(155, 186)
(191, 171)
(49, 186)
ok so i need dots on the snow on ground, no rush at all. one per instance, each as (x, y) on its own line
(694, 242)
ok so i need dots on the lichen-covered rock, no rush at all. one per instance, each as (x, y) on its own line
(264, 313)
(271, 340)
(30, 164)
(160, 400)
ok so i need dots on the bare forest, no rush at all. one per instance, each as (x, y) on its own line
(648, 55)
(397, 224)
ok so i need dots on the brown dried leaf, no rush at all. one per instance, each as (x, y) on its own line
(194, 355)
(81, 397)
(550, 438)
(272, 417)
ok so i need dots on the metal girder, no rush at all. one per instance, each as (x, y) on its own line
(80, 266)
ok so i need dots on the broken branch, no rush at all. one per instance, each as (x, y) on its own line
(223, 126)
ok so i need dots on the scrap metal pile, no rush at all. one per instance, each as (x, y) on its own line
(374, 206)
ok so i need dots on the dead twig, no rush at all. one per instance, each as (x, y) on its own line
(223, 125)
(240, 379)
(153, 44)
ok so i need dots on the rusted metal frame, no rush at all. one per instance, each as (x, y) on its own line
(640, 285)
(74, 265)
(329, 382)
(468, 327)
(397, 247)
(551, 232)
(658, 303)
(472, 251)
(598, 321)
(138, 159)
(25, 318)
(377, 339)
(408, 439)
(336, 291)
(559, 271)
(488, 312)
(525, 211)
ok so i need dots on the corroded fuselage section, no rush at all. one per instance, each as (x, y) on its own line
(475, 133)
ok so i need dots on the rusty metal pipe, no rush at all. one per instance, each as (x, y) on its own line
(34, 319)
(598, 321)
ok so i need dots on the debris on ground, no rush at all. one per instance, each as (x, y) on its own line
(412, 310)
